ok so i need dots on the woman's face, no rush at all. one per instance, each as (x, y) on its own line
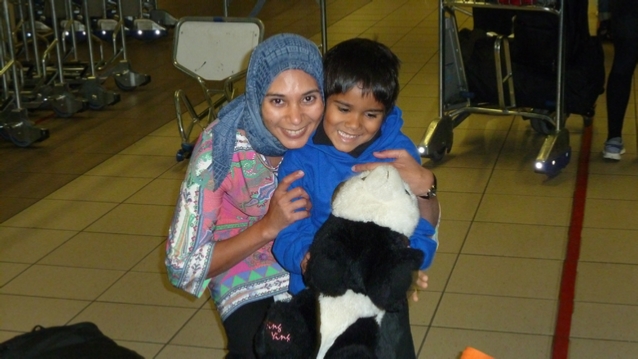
(292, 108)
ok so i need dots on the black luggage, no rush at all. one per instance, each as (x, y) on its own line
(76, 341)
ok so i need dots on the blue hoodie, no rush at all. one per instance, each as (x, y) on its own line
(324, 168)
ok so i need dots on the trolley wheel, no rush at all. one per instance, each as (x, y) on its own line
(4, 134)
(542, 127)
(437, 156)
(588, 120)
(62, 113)
(96, 106)
(124, 87)
(180, 156)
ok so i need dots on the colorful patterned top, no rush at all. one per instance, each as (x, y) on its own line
(204, 217)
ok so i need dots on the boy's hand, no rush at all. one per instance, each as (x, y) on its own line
(286, 206)
(419, 179)
(304, 262)
(421, 283)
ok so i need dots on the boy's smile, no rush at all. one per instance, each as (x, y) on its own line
(352, 118)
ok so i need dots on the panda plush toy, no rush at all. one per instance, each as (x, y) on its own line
(360, 266)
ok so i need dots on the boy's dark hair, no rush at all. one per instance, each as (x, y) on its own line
(366, 63)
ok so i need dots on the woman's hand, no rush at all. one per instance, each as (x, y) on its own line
(420, 284)
(286, 206)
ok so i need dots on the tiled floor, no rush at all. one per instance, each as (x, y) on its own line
(84, 215)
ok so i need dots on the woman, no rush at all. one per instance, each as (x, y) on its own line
(231, 207)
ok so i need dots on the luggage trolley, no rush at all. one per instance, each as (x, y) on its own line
(455, 103)
(212, 50)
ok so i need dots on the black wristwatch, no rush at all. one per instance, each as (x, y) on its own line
(432, 191)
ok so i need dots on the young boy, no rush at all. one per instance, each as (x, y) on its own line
(361, 128)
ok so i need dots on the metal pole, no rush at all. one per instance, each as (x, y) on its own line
(324, 27)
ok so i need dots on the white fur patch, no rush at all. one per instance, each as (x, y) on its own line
(379, 196)
(339, 313)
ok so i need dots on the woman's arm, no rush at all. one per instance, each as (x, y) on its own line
(282, 212)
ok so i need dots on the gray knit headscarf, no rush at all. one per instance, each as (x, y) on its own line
(276, 54)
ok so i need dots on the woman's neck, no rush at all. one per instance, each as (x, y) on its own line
(273, 161)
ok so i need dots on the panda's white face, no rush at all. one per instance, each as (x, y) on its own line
(379, 196)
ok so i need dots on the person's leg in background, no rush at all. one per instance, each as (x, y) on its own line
(604, 20)
(618, 92)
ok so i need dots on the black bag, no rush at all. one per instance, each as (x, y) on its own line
(535, 88)
(536, 35)
(76, 341)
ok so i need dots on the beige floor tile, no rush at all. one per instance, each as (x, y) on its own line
(352, 25)
(613, 214)
(502, 314)
(137, 219)
(536, 210)
(134, 166)
(154, 261)
(416, 119)
(467, 180)
(478, 141)
(516, 240)
(99, 189)
(596, 349)
(6, 335)
(594, 284)
(486, 122)
(177, 351)
(170, 129)
(445, 343)
(452, 235)
(458, 206)
(56, 214)
(149, 289)
(419, 91)
(506, 276)
(20, 313)
(625, 167)
(159, 191)
(204, 329)
(605, 321)
(8, 271)
(142, 323)
(28, 245)
(440, 271)
(62, 282)
(609, 246)
(102, 251)
(154, 146)
(418, 337)
(612, 187)
(465, 158)
(409, 104)
(415, 134)
(147, 350)
(422, 312)
(526, 182)
(177, 171)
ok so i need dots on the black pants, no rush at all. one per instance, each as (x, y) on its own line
(619, 83)
(241, 327)
(395, 339)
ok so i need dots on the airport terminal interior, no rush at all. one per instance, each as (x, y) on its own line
(84, 214)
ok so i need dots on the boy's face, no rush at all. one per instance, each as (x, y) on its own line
(292, 108)
(352, 119)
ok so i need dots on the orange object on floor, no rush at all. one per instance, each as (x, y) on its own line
(471, 353)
